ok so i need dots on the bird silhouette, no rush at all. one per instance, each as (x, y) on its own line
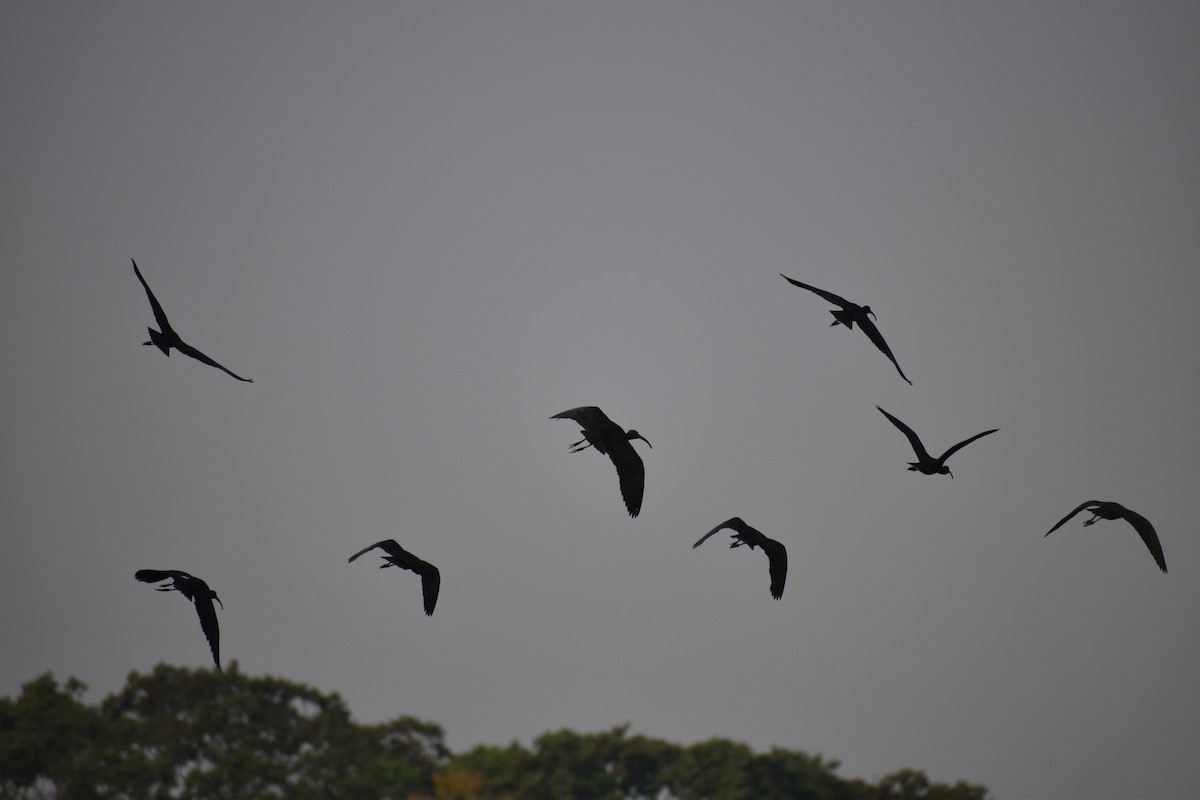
(201, 596)
(167, 338)
(397, 556)
(925, 463)
(1106, 509)
(613, 441)
(745, 535)
(850, 313)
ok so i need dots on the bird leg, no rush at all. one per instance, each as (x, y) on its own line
(1092, 521)
(582, 444)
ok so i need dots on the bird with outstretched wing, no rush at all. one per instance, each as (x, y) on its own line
(397, 556)
(167, 338)
(199, 593)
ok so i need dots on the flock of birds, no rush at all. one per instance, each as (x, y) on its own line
(608, 438)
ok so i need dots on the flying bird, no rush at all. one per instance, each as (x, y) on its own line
(167, 338)
(745, 535)
(613, 441)
(1104, 509)
(850, 313)
(201, 596)
(397, 556)
(925, 463)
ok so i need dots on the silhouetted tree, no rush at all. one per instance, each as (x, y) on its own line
(207, 735)
(203, 735)
(912, 784)
(48, 738)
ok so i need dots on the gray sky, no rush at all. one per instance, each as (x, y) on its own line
(423, 228)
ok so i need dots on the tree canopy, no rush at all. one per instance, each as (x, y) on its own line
(205, 735)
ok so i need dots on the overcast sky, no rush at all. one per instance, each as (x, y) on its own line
(424, 228)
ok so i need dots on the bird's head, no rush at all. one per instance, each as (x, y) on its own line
(867, 310)
(632, 434)
(944, 470)
(222, 605)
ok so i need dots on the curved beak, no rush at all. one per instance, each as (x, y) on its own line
(644, 439)
(222, 605)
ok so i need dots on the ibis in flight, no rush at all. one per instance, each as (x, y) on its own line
(1105, 509)
(201, 596)
(850, 313)
(397, 556)
(613, 441)
(167, 338)
(925, 463)
(745, 535)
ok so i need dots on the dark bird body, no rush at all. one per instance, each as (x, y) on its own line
(167, 338)
(850, 313)
(1106, 509)
(397, 556)
(925, 463)
(201, 596)
(745, 535)
(613, 441)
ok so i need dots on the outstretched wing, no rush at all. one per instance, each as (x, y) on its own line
(386, 544)
(777, 558)
(156, 575)
(208, 624)
(830, 296)
(733, 523)
(1149, 536)
(964, 443)
(913, 439)
(1079, 508)
(867, 326)
(431, 584)
(631, 472)
(188, 350)
(589, 417)
(159, 315)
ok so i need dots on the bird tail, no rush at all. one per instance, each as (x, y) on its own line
(159, 341)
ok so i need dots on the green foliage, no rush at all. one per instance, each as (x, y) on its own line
(910, 784)
(46, 736)
(613, 766)
(711, 769)
(206, 735)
